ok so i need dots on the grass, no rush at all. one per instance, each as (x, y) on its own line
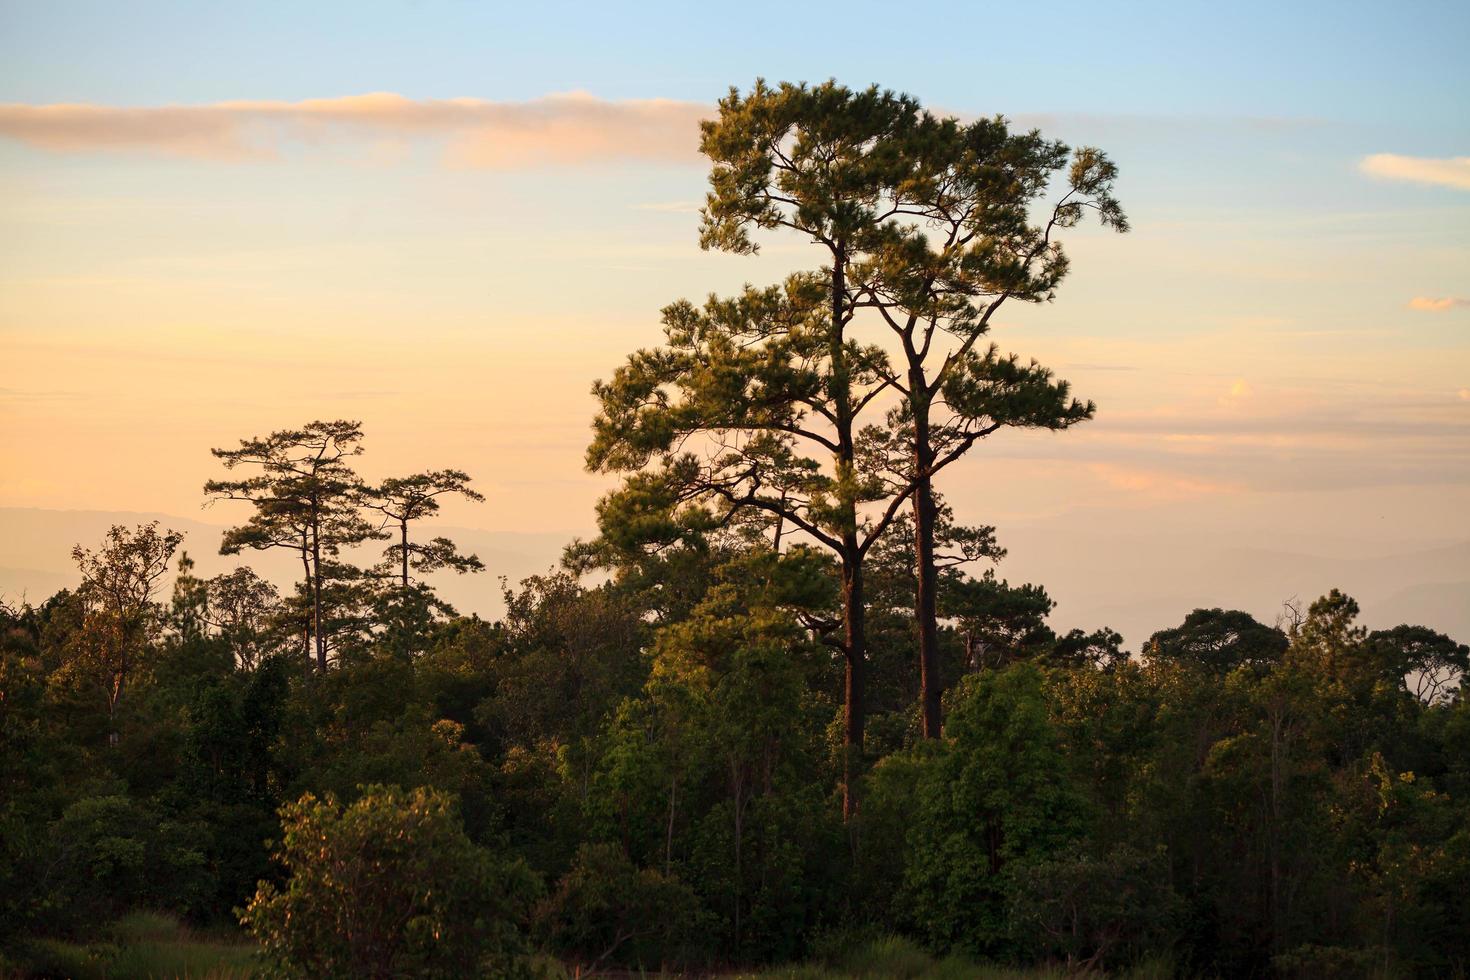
(145, 946)
(897, 958)
(151, 946)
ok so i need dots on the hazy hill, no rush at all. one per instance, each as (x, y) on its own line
(35, 557)
(1136, 577)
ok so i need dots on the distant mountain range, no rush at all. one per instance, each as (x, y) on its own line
(1136, 576)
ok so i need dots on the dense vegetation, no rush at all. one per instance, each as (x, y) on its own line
(781, 708)
(649, 771)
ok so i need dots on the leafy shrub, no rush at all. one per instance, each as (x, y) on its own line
(389, 886)
(605, 910)
(1095, 911)
(114, 854)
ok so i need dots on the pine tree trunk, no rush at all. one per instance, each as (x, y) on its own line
(112, 699)
(669, 833)
(853, 608)
(855, 635)
(930, 682)
(403, 530)
(316, 589)
(310, 588)
(925, 603)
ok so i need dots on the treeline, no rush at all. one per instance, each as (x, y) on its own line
(780, 701)
(650, 772)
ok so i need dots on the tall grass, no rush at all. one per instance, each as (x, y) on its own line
(892, 958)
(140, 946)
(151, 946)
(857, 957)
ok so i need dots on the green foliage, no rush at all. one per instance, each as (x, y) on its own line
(1430, 665)
(1093, 910)
(118, 619)
(665, 756)
(1219, 640)
(607, 911)
(1000, 622)
(386, 886)
(113, 854)
(994, 799)
(307, 499)
(714, 770)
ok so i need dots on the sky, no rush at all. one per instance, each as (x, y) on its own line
(447, 219)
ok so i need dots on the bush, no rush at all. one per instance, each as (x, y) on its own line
(389, 886)
(114, 854)
(1310, 961)
(1096, 911)
(605, 910)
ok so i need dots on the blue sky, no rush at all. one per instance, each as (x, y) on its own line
(1401, 64)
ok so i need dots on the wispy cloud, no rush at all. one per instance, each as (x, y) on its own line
(563, 128)
(669, 207)
(1103, 367)
(1437, 304)
(18, 395)
(568, 129)
(1159, 484)
(1445, 172)
(1239, 389)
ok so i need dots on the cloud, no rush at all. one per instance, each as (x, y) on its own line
(1240, 390)
(567, 129)
(1437, 304)
(1158, 484)
(669, 207)
(1103, 367)
(1450, 172)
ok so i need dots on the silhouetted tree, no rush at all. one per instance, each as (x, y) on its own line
(120, 617)
(306, 498)
(958, 244)
(731, 421)
(1429, 665)
(1000, 622)
(241, 607)
(1218, 640)
(870, 177)
(404, 500)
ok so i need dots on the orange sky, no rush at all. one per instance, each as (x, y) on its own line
(446, 220)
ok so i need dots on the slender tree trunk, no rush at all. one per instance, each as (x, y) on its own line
(316, 593)
(1274, 838)
(112, 699)
(737, 784)
(310, 588)
(925, 516)
(669, 833)
(403, 531)
(855, 627)
(853, 608)
(780, 526)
